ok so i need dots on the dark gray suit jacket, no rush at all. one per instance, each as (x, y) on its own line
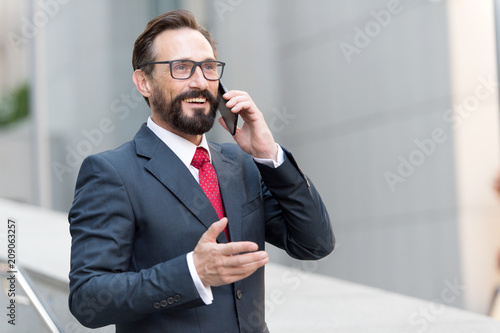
(138, 211)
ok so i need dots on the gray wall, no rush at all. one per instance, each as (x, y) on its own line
(93, 103)
(348, 119)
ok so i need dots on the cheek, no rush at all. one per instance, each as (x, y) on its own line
(170, 94)
(170, 87)
(174, 90)
(214, 88)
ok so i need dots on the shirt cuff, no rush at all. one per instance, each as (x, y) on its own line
(270, 162)
(205, 292)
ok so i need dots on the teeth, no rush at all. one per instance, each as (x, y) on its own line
(195, 100)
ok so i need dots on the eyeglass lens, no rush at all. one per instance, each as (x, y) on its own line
(183, 69)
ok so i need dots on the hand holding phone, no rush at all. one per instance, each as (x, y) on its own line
(230, 118)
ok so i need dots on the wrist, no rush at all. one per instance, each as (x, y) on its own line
(204, 291)
(270, 154)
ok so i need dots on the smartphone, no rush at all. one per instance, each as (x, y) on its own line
(230, 118)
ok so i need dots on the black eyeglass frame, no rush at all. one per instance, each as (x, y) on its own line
(196, 64)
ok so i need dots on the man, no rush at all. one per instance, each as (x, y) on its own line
(157, 244)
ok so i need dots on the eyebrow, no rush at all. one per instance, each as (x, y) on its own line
(188, 58)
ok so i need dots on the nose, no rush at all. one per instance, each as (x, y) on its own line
(198, 81)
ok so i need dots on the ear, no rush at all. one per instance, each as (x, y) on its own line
(142, 82)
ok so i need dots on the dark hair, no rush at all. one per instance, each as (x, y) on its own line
(144, 50)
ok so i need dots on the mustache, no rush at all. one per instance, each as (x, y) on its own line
(197, 93)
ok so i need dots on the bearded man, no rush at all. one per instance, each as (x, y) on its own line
(169, 230)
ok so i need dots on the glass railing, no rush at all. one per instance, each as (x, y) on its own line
(33, 302)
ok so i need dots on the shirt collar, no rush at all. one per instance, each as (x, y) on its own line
(184, 149)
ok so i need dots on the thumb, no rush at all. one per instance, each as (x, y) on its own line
(210, 236)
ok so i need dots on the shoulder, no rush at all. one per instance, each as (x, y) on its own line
(142, 145)
(117, 156)
(229, 149)
(232, 152)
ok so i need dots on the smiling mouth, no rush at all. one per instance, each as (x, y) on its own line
(198, 100)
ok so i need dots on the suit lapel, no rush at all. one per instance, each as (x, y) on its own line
(229, 183)
(173, 174)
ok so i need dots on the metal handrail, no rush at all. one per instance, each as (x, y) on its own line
(33, 298)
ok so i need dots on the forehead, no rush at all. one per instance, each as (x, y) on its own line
(182, 44)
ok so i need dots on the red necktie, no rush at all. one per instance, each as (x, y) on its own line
(208, 181)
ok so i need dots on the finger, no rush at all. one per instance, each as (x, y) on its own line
(236, 99)
(245, 259)
(232, 274)
(210, 236)
(245, 270)
(232, 93)
(234, 248)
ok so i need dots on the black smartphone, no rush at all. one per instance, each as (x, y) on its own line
(230, 118)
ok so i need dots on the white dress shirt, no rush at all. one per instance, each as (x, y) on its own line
(185, 150)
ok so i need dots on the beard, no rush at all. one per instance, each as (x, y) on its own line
(171, 112)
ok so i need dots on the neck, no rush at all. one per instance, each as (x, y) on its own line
(193, 138)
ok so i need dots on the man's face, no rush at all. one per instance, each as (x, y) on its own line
(188, 106)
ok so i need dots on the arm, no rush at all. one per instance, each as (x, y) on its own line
(104, 288)
(105, 285)
(296, 218)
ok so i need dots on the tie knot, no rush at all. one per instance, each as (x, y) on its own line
(200, 158)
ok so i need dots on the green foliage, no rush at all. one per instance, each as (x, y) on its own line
(15, 106)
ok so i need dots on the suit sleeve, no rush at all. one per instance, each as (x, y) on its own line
(104, 288)
(296, 218)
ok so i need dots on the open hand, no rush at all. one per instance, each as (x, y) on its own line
(219, 264)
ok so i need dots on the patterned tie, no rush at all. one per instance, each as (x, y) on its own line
(208, 181)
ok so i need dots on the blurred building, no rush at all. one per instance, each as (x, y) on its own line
(390, 106)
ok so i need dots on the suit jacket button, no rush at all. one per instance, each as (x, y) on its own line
(170, 300)
(239, 294)
(163, 303)
(156, 305)
(177, 298)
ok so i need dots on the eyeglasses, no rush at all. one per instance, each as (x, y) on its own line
(184, 69)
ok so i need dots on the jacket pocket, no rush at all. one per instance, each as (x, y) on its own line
(251, 206)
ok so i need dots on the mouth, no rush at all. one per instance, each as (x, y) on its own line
(197, 100)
